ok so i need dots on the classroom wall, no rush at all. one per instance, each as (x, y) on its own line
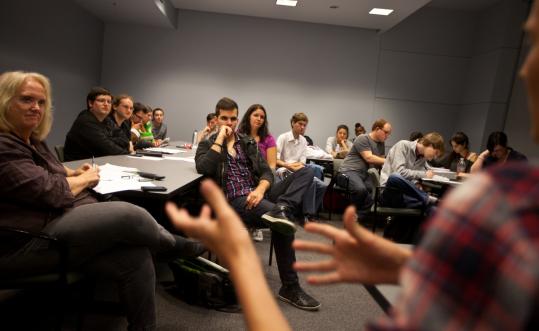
(62, 41)
(328, 72)
(423, 66)
(492, 71)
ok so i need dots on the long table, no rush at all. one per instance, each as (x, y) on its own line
(181, 181)
(180, 176)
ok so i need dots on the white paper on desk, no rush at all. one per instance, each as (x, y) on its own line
(148, 158)
(164, 150)
(177, 158)
(115, 179)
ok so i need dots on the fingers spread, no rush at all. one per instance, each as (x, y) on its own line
(325, 230)
(324, 279)
(327, 265)
(303, 245)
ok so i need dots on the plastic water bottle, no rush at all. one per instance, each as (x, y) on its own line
(195, 139)
(461, 165)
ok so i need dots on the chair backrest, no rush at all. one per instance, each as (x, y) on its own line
(336, 165)
(59, 152)
(375, 178)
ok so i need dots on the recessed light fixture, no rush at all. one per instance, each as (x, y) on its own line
(380, 11)
(289, 3)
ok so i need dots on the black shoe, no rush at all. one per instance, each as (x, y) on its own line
(278, 220)
(183, 248)
(295, 296)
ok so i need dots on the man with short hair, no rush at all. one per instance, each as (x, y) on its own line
(367, 152)
(233, 160)
(405, 164)
(119, 121)
(211, 127)
(292, 156)
(89, 136)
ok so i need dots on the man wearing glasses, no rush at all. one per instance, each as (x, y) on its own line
(367, 152)
(89, 136)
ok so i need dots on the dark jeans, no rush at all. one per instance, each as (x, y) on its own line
(360, 187)
(289, 193)
(402, 193)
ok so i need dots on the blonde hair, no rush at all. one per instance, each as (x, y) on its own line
(10, 83)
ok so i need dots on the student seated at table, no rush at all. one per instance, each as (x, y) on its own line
(368, 151)
(497, 152)
(292, 156)
(112, 240)
(358, 130)
(119, 121)
(141, 127)
(475, 269)
(405, 164)
(89, 135)
(159, 128)
(339, 145)
(254, 123)
(209, 129)
(460, 152)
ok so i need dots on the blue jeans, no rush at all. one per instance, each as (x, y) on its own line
(402, 193)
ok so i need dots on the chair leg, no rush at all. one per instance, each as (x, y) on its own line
(271, 251)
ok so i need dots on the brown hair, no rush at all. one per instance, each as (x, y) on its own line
(379, 124)
(299, 117)
(433, 139)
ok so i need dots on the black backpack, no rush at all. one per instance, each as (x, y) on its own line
(205, 283)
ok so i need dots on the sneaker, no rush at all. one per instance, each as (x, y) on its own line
(257, 235)
(295, 296)
(277, 220)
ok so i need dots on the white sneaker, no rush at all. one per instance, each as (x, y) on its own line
(258, 235)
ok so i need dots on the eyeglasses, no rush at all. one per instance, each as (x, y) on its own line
(138, 116)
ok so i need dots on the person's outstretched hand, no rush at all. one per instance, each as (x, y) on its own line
(357, 255)
(225, 236)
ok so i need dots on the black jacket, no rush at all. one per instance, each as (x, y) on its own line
(88, 137)
(213, 164)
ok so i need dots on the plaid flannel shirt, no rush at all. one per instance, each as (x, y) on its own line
(477, 267)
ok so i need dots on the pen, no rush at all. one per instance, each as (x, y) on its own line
(93, 162)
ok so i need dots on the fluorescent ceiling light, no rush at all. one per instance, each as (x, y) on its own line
(290, 3)
(380, 11)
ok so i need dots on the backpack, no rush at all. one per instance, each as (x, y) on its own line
(205, 283)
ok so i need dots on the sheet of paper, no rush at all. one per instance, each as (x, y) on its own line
(147, 158)
(178, 158)
(114, 178)
(164, 150)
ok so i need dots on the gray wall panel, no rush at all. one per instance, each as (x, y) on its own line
(59, 39)
(420, 77)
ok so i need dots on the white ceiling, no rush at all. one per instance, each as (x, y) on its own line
(353, 13)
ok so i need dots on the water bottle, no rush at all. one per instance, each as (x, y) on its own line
(461, 165)
(195, 139)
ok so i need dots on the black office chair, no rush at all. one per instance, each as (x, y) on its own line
(337, 194)
(44, 269)
(384, 212)
(59, 149)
